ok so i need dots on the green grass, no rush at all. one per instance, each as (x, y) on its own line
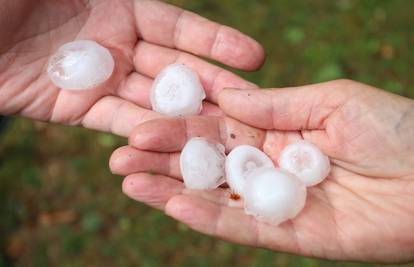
(60, 206)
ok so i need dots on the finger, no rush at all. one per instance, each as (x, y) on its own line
(177, 28)
(115, 115)
(171, 134)
(157, 190)
(210, 109)
(119, 116)
(137, 89)
(127, 160)
(229, 223)
(153, 190)
(150, 59)
(302, 108)
(220, 196)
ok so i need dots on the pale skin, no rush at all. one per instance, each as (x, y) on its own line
(143, 36)
(363, 211)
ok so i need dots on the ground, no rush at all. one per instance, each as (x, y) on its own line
(60, 206)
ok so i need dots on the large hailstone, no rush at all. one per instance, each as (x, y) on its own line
(273, 195)
(202, 164)
(306, 161)
(80, 65)
(177, 91)
(241, 161)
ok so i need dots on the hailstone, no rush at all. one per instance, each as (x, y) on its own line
(240, 162)
(273, 195)
(79, 65)
(306, 161)
(177, 91)
(202, 164)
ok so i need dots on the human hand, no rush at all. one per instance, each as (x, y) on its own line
(143, 36)
(363, 211)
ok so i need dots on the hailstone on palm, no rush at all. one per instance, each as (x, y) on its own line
(202, 164)
(273, 195)
(80, 65)
(177, 91)
(240, 162)
(306, 161)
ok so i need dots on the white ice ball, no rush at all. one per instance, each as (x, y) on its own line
(177, 91)
(240, 162)
(306, 161)
(273, 195)
(80, 65)
(202, 164)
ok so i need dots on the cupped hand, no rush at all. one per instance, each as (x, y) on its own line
(143, 36)
(363, 211)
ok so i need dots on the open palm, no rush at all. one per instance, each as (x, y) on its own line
(363, 211)
(143, 36)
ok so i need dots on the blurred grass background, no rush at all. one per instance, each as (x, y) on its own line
(60, 206)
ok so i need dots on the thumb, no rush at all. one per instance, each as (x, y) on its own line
(297, 108)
